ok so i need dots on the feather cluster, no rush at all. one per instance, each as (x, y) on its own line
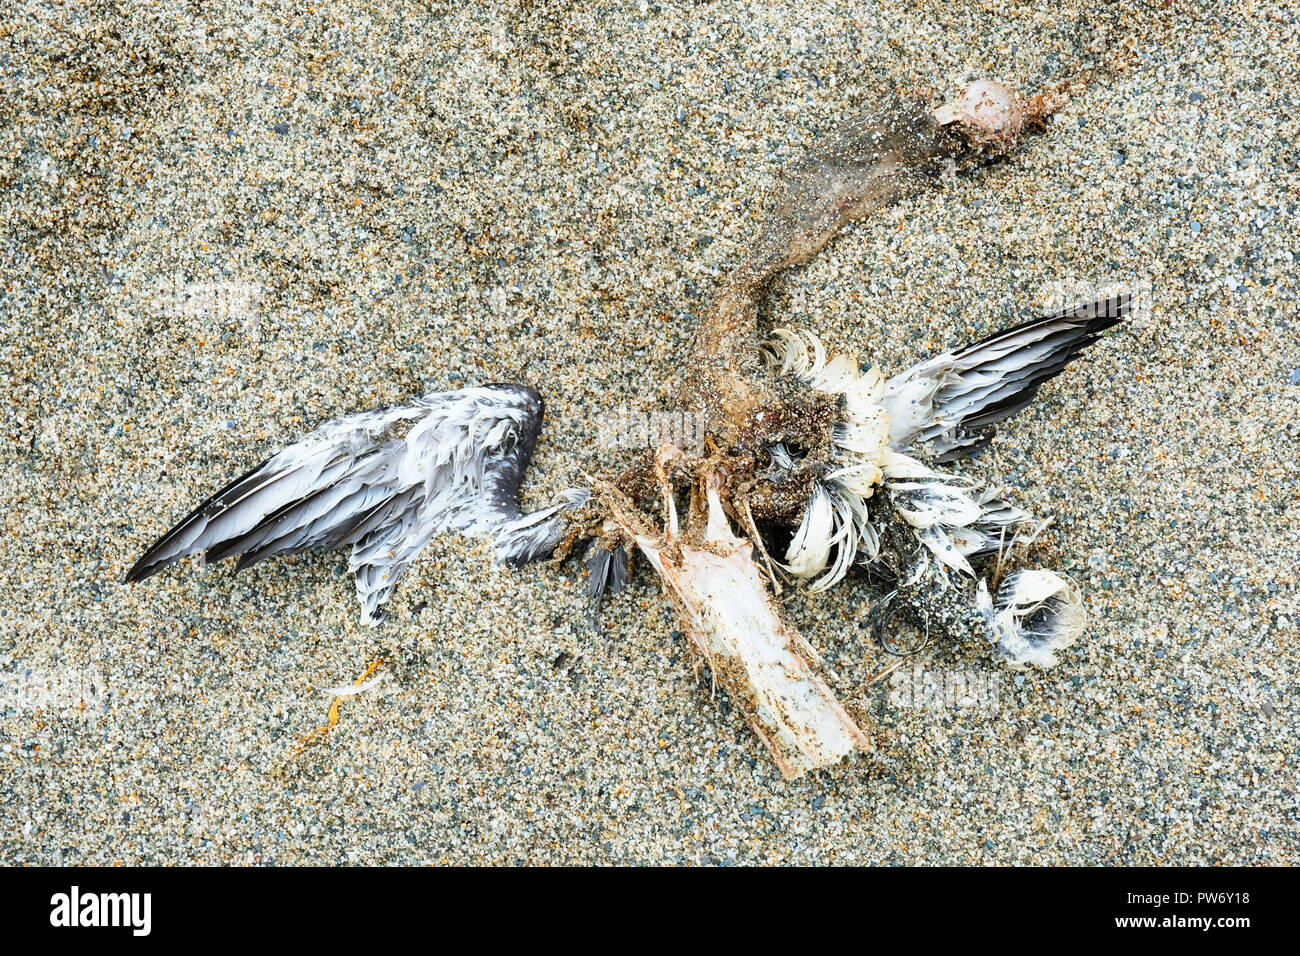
(383, 483)
(835, 529)
(953, 517)
(1037, 614)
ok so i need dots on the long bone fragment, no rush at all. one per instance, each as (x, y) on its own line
(732, 621)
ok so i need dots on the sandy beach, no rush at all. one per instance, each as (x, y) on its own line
(224, 224)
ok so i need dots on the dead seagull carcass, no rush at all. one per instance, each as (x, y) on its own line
(846, 458)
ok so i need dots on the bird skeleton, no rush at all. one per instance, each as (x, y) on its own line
(795, 437)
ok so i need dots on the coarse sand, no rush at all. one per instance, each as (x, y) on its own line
(223, 224)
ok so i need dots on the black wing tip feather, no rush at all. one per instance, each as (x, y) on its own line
(607, 572)
(150, 563)
(1110, 310)
(1090, 320)
(142, 570)
(1096, 317)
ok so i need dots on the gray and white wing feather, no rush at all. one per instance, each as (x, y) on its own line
(383, 483)
(947, 401)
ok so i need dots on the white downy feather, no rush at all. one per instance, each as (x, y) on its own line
(942, 546)
(811, 545)
(353, 690)
(953, 517)
(836, 518)
(1038, 613)
(925, 504)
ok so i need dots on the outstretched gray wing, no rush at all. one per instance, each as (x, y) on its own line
(950, 399)
(384, 483)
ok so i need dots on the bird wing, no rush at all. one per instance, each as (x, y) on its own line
(383, 482)
(948, 399)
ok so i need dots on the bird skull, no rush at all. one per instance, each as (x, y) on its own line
(987, 111)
